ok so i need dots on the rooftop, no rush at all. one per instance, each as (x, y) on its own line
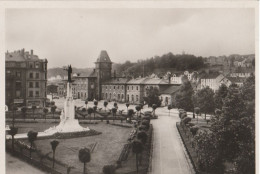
(171, 90)
(21, 55)
(103, 57)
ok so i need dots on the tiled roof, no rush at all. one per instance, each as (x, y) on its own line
(20, 56)
(136, 81)
(171, 90)
(155, 81)
(210, 76)
(236, 79)
(116, 81)
(103, 57)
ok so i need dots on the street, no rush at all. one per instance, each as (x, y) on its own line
(168, 152)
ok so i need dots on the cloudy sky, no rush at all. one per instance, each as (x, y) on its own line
(76, 36)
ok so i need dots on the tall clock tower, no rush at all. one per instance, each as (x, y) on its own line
(103, 71)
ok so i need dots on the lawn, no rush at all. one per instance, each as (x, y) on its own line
(107, 150)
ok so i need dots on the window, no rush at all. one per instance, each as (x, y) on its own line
(18, 74)
(36, 65)
(31, 64)
(30, 93)
(8, 72)
(37, 93)
(114, 87)
(137, 88)
(18, 84)
(110, 96)
(106, 95)
(37, 75)
(127, 97)
(37, 85)
(118, 97)
(127, 87)
(31, 75)
(137, 98)
(122, 87)
(132, 87)
(106, 87)
(18, 93)
(30, 84)
(117, 87)
(133, 99)
(122, 96)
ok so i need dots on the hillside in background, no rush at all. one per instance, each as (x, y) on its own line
(160, 65)
(53, 72)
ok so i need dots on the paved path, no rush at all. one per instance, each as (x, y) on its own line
(16, 166)
(168, 152)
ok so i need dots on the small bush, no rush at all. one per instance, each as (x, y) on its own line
(109, 169)
(194, 130)
(186, 120)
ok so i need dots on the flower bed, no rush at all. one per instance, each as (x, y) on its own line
(91, 132)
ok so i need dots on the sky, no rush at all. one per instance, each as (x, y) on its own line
(76, 36)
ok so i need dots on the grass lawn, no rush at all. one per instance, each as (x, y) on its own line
(107, 150)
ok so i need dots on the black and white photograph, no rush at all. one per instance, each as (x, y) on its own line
(130, 90)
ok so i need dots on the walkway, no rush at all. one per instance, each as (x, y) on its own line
(168, 152)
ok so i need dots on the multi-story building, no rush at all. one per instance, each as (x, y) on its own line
(212, 81)
(114, 89)
(26, 79)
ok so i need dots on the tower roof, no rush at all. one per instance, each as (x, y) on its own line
(103, 57)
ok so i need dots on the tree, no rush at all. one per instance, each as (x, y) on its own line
(152, 97)
(138, 109)
(205, 100)
(54, 145)
(127, 105)
(154, 106)
(169, 108)
(33, 110)
(53, 109)
(94, 110)
(86, 103)
(14, 108)
(183, 98)
(220, 95)
(130, 114)
(137, 149)
(115, 105)
(32, 136)
(24, 109)
(105, 105)
(209, 158)
(13, 131)
(90, 111)
(142, 136)
(45, 111)
(197, 111)
(114, 110)
(84, 157)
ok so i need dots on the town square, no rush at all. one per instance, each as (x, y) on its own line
(130, 91)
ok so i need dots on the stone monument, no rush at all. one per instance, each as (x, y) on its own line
(68, 123)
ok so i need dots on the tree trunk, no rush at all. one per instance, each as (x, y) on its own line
(31, 150)
(84, 168)
(13, 118)
(137, 162)
(53, 159)
(13, 143)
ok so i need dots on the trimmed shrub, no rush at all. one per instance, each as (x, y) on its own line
(186, 120)
(194, 130)
(109, 169)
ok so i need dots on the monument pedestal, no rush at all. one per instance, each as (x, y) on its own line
(68, 123)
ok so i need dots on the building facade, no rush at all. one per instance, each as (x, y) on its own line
(26, 79)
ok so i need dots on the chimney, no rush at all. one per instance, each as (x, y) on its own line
(31, 52)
